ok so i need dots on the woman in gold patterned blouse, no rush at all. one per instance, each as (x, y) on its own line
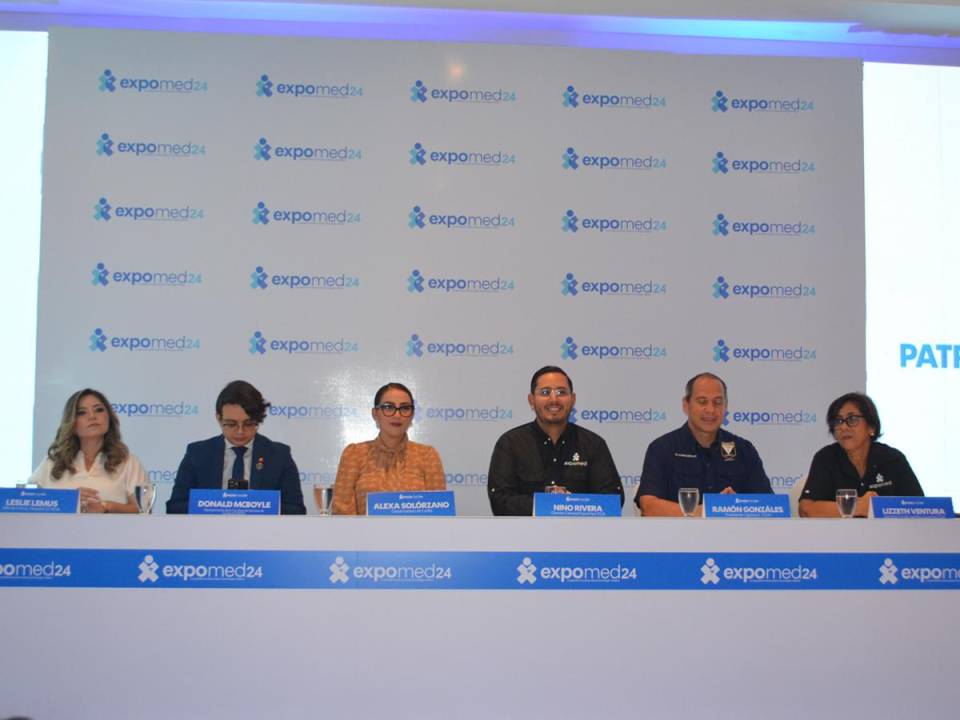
(391, 462)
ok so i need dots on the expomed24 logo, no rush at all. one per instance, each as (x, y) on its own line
(418, 219)
(263, 150)
(793, 418)
(418, 283)
(615, 100)
(102, 277)
(722, 226)
(722, 352)
(891, 575)
(571, 160)
(261, 280)
(572, 223)
(528, 573)
(151, 571)
(267, 88)
(110, 82)
(571, 287)
(103, 210)
(721, 165)
(341, 573)
(263, 215)
(721, 103)
(107, 147)
(420, 93)
(100, 341)
(156, 409)
(711, 574)
(630, 416)
(570, 350)
(258, 344)
(419, 156)
(724, 290)
(417, 347)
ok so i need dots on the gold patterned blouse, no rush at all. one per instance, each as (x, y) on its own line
(372, 467)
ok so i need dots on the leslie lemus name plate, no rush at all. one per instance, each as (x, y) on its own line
(39, 500)
(412, 504)
(234, 502)
(576, 505)
(747, 505)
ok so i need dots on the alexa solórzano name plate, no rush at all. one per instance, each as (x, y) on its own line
(412, 504)
(234, 502)
(747, 505)
(39, 500)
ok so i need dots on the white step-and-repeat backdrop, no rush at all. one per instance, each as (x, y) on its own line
(322, 216)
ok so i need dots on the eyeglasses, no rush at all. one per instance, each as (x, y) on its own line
(233, 424)
(850, 420)
(390, 409)
(560, 392)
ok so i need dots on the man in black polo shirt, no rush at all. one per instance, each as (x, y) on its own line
(548, 454)
(701, 454)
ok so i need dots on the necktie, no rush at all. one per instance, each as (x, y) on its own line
(237, 473)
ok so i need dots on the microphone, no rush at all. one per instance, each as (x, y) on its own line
(238, 484)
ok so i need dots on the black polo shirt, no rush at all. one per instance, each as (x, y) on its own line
(676, 460)
(888, 473)
(525, 461)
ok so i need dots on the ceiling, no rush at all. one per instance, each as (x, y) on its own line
(931, 29)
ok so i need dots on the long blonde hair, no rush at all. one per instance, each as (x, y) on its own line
(66, 444)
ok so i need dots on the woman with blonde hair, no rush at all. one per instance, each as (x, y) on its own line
(88, 454)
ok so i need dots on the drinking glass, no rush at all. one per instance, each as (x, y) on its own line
(323, 498)
(846, 502)
(689, 499)
(145, 496)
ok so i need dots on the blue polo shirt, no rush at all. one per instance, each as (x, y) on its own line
(676, 460)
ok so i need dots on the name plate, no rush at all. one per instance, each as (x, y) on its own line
(39, 500)
(576, 505)
(412, 504)
(747, 505)
(234, 502)
(927, 508)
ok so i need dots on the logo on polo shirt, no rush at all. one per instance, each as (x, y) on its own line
(575, 461)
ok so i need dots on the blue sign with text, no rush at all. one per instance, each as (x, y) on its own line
(518, 570)
(576, 505)
(39, 500)
(912, 507)
(409, 504)
(234, 502)
(746, 505)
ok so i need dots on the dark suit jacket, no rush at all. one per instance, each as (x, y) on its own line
(272, 468)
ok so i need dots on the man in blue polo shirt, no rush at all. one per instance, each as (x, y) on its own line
(699, 455)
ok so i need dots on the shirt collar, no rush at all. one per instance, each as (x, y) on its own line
(542, 437)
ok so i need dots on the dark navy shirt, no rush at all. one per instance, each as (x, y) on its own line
(676, 460)
(888, 473)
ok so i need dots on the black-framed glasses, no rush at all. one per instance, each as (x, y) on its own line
(234, 425)
(390, 409)
(560, 392)
(850, 420)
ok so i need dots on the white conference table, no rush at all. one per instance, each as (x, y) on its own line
(150, 650)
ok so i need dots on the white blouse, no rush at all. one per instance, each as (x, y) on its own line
(116, 487)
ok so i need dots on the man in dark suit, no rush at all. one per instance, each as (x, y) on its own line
(239, 458)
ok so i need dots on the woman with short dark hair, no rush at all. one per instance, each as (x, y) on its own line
(390, 462)
(855, 461)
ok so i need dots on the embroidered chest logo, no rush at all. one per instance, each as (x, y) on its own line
(728, 450)
(575, 461)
